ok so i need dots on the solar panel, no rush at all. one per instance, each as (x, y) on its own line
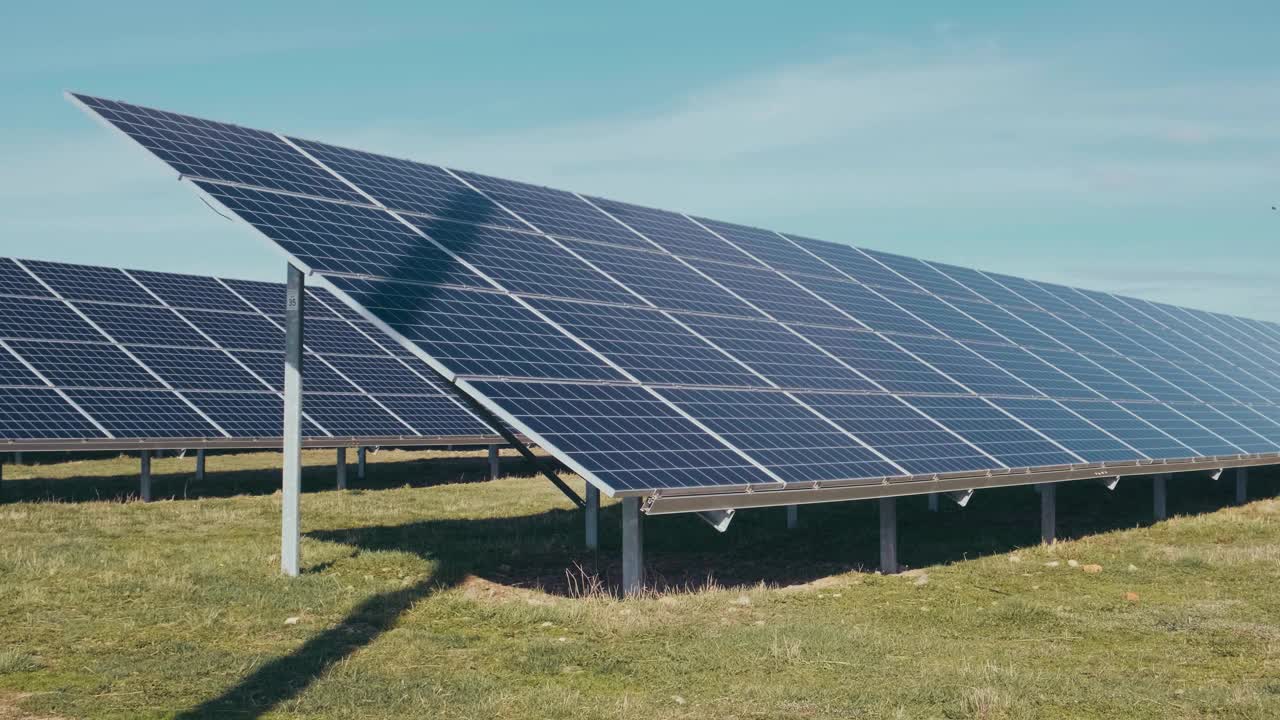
(647, 349)
(153, 376)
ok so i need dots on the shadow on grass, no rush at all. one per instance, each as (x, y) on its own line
(418, 472)
(542, 550)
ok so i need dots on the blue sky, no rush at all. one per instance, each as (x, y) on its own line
(1132, 149)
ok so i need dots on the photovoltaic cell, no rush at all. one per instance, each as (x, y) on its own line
(87, 282)
(316, 376)
(993, 431)
(1255, 422)
(477, 333)
(41, 414)
(1084, 371)
(1007, 325)
(923, 275)
(1180, 376)
(143, 413)
(433, 415)
(410, 186)
(1183, 429)
(351, 415)
(898, 432)
(1064, 333)
(1143, 379)
(43, 320)
(239, 331)
(965, 366)
(1033, 371)
(865, 306)
(770, 248)
(853, 263)
(1135, 431)
(662, 280)
(1226, 428)
(217, 151)
(555, 212)
(774, 294)
(248, 414)
(879, 360)
(378, 375)
(1068, 430)
(81, 365)
(16, 281)
(623, 435)
(197, 368)
(191, 291)
(524, 262)
(981, 285)
(648, 345)
(673, 232)
(781, 434)
(779, 355)
(949, 321)
(138, 325)
(14, 374)
(334, 237)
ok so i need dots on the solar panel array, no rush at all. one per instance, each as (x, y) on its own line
(653, 350)
(94, 354)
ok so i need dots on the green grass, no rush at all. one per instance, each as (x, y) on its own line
(424, 596)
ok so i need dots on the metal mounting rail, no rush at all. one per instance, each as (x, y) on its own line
(666, 502)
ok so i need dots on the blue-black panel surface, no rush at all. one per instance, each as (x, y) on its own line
(673, 232)
(16, 281)
(776, 353)
(1182, 428)
(88, 282)
(662, 280)
(1068, 430)
(248, 414)
(143, 413)
(623, 435)
(946, 319)
(218, 151)
(43, 320)
(782, 435)
(82, 365)
(1132, 429)
(1085, 371)
(1033, 371)
(139, 325)
(770, 248)
(993, 431)
(774, 294)
(434, 415)
(524, 262)
(410, 186)
(335, 237)
(555, 212)
(899, 432)
(965, 366)
(1226, 428)
(477, 333)
(316, 376)
(41, 414)
(14, 374)
(197, 368)
(879, 360)
(242, 331)
(647, 344)
(865, 306)
(192, 291)
(923, 274)
(351, 415)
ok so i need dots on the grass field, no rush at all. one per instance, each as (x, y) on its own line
(428, 593)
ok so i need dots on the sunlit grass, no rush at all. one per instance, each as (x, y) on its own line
(429, 597)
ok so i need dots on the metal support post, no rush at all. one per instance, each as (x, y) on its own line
(200, 464)
(360, 462)
(341, 467)
(494, 462)
(632, 547)
(1160, 496)
(592, 519)
(1242, 486)
(17, 458)
(793, 517)
(933, 502)
(1048, 512)
(889, 535)
(144, 482)
(291, 480)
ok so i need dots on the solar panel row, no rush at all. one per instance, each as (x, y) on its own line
(100, 353)
(650, 349)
